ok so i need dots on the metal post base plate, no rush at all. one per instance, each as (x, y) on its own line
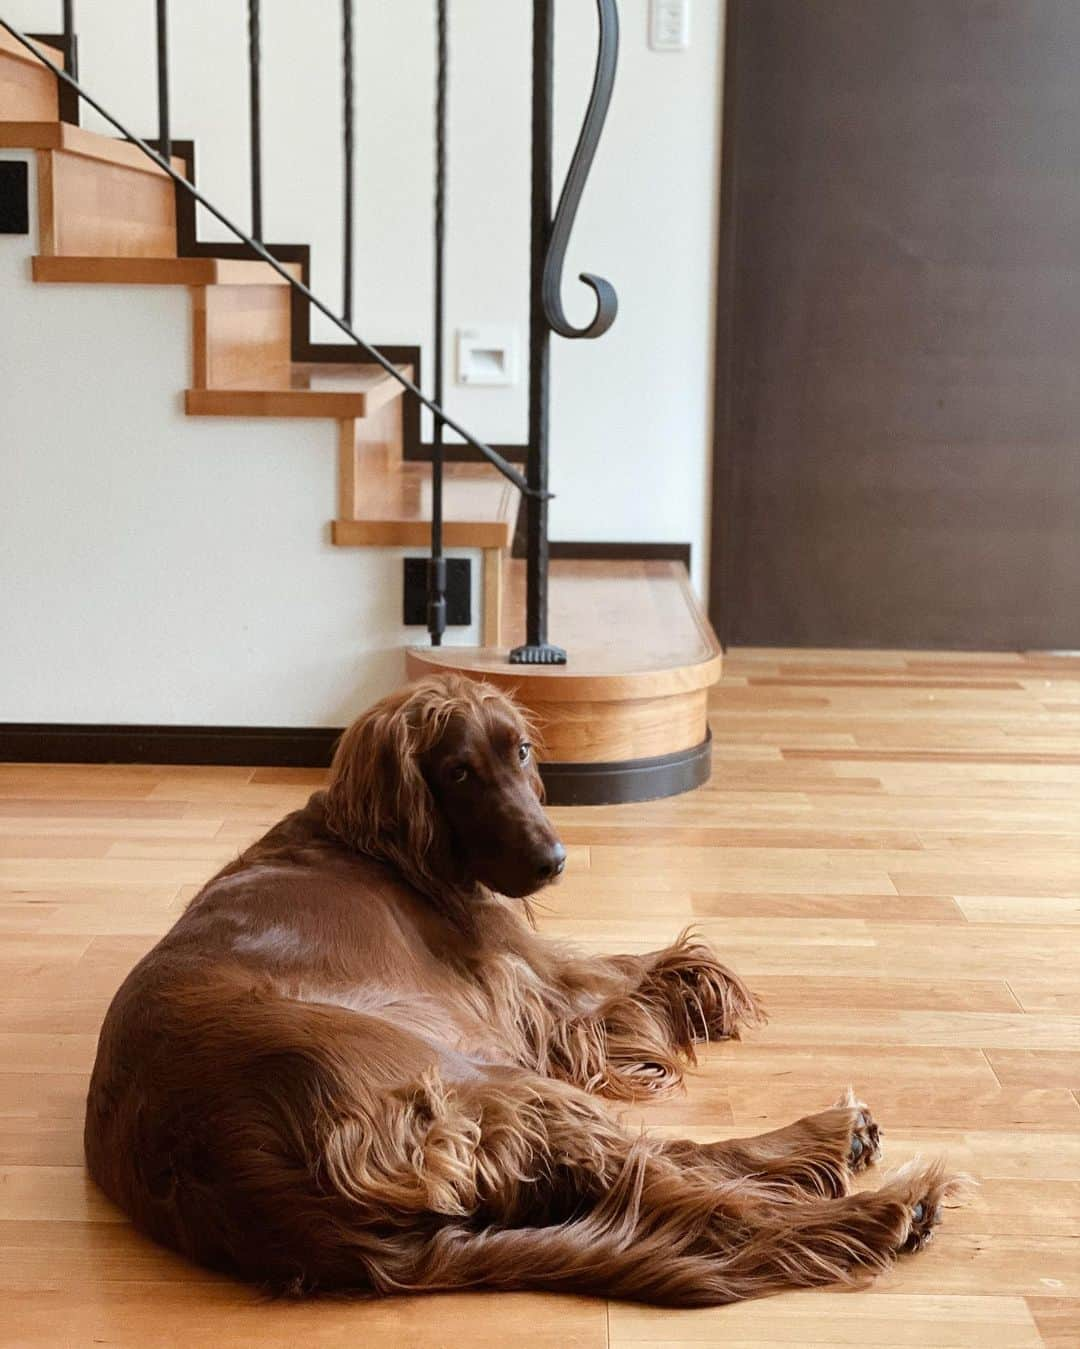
(543, 654)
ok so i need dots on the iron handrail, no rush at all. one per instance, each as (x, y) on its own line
(493, 457)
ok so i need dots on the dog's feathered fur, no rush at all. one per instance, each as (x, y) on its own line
(353, 1065)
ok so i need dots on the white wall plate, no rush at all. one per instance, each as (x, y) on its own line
(487, 353)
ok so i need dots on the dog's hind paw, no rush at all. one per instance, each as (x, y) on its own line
(865, 1144)
(925, 1189)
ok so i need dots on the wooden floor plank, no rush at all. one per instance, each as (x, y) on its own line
(888, 850)
(804, 1319)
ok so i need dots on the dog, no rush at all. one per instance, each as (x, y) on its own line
(354, 1065)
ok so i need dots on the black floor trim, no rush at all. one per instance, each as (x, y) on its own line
(605, 784)
(566, 784)
(254, 746)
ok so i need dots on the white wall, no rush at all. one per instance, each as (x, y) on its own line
(630, 412)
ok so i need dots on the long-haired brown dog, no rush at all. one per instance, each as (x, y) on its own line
(352, 1064)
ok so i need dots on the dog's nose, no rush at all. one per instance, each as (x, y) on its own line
(553, 864)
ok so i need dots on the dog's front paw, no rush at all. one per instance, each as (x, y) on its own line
(711, 1000)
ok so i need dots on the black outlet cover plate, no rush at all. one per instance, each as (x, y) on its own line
(458, 592)
(14, 197)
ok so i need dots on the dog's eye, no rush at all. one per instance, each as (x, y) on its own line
(524, 750)
(459, 773)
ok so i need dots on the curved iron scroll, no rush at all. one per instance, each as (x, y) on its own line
(607, 302)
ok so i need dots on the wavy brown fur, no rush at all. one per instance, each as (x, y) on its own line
(352, 1064)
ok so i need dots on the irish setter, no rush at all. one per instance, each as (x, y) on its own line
(354, 1065)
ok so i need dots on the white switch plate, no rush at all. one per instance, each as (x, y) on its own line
(669, 25)
(487, 353)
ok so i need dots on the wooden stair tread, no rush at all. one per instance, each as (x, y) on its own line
(300, 389)
(479, 507)
(159, 271)
(631, 629)
(9, 47)
(76, 141)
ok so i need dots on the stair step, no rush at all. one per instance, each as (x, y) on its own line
(300, 389)
(630, 628)
(626, 718)
(10, 48)
(159, 271)
(479, 507)
(27, 88)
(97, 196)
(75, 141)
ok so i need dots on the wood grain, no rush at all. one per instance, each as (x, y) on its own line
(385, 502)
(27, 90)
(632, 630)
(299, 389)
(100, 207)
(157, 271)
(641, 659)
(955, 1012)
(10, 48)
(240, 334)
(75, 140)
(494, 567)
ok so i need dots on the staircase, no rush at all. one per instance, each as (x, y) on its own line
(625, 717)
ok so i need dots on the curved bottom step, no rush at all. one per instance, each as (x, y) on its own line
(608, 784)
(626, 718)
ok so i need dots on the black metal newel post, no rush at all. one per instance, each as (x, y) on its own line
(436, 578)
(349, 152)
(548, 240)
(254, 55)
(537, 650)
(164, 132)
(70, 45)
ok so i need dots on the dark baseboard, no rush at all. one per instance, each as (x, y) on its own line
(254, 746)
(600, 551)
(566, 784)
(454, 453)
(621, 552)
(606, 784)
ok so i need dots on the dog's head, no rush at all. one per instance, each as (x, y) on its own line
(440, 780)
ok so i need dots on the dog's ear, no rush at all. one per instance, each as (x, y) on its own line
(378, 802)
(377, 799)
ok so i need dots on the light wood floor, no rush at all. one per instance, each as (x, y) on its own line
(889, 849)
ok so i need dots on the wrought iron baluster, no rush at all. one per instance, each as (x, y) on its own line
(548, 240)
(255, 97)
(537, 650)
(164, 132)
(69, 38)
(437, 562)
(349, 152)
(607, 302)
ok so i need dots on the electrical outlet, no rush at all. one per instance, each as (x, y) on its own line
(458, 592)
(669, 25)
(487, 354)
(14, 197)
